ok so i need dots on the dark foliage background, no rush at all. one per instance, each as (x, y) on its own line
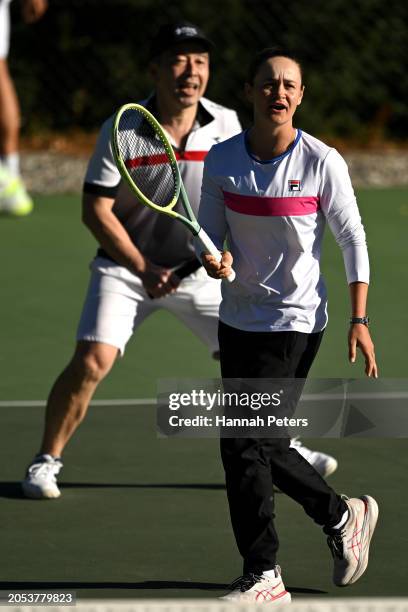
(86, 57)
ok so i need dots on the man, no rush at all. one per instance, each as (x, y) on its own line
(14, 200)
(141, 253)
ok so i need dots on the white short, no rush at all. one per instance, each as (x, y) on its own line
(117, 303)
(4, 28)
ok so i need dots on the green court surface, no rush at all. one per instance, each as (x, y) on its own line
(146, 517)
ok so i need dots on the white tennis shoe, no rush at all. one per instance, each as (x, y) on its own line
(259, 589)
(322, 463)
(40, 481)
(350, 544)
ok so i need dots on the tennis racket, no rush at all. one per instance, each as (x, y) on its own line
(146, 161)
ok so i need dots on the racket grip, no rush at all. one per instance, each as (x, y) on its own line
(208, 246)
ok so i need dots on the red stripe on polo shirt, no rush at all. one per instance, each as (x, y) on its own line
(155, 160)
(146, 160)
(265, 206)
(191, 155)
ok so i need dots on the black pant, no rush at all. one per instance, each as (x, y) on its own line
(253, 465)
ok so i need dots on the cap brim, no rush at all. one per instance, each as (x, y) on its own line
(198, 39)
(206, 42)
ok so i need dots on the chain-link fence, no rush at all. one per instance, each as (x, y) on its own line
(86, 57)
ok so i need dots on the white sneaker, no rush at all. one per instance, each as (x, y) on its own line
(350, 544)
(40, 481)
(322, 463)
(14, 199)
(259, 589)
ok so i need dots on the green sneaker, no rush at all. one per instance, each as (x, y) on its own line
(14, 199)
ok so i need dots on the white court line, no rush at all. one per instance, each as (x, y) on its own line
(151, 401)
(312, 397)
(140, 401)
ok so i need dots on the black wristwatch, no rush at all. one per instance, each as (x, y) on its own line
(363, 320)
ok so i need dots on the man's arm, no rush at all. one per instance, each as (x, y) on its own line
(99, 218)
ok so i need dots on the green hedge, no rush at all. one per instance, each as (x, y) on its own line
(86, 57)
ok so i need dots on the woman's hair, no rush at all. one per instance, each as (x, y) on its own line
(264, 55)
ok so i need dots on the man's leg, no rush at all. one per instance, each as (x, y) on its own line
(115, 306)
(72, 391)
(67, 406)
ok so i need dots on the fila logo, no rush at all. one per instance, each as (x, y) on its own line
(294, 185)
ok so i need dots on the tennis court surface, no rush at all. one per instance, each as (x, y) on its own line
(143, 517)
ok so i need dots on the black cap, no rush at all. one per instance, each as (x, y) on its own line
(172, 33)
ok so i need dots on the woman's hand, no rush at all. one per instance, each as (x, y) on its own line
(359, 336)
(217, 269)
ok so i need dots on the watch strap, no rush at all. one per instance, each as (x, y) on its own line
(361, 320)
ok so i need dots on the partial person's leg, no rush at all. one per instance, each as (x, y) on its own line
(9, 119)
(14, 199)
(9, 106)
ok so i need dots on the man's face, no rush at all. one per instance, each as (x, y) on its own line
(181, 73)
(277, 90)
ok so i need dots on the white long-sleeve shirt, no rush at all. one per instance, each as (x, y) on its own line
(273, 216)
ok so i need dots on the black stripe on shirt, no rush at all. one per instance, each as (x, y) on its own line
(101, 190)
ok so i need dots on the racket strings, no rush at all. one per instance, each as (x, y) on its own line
(146, 158)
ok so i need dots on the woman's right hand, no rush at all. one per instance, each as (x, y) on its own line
(217, 269)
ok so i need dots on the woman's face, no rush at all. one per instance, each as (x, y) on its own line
(277, 90)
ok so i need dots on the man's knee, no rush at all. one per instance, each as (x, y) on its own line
(92, 361)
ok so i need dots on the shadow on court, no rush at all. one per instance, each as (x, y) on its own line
(147, 584)
(12, 490)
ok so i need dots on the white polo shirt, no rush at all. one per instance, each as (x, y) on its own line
(160, 238)
(273, 215)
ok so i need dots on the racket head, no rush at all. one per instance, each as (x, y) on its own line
(145, 158)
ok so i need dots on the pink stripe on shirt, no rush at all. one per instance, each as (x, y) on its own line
(265, 206)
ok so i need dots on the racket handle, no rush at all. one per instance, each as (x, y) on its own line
(209, 247)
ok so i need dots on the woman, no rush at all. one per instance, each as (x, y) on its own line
(269, 192)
